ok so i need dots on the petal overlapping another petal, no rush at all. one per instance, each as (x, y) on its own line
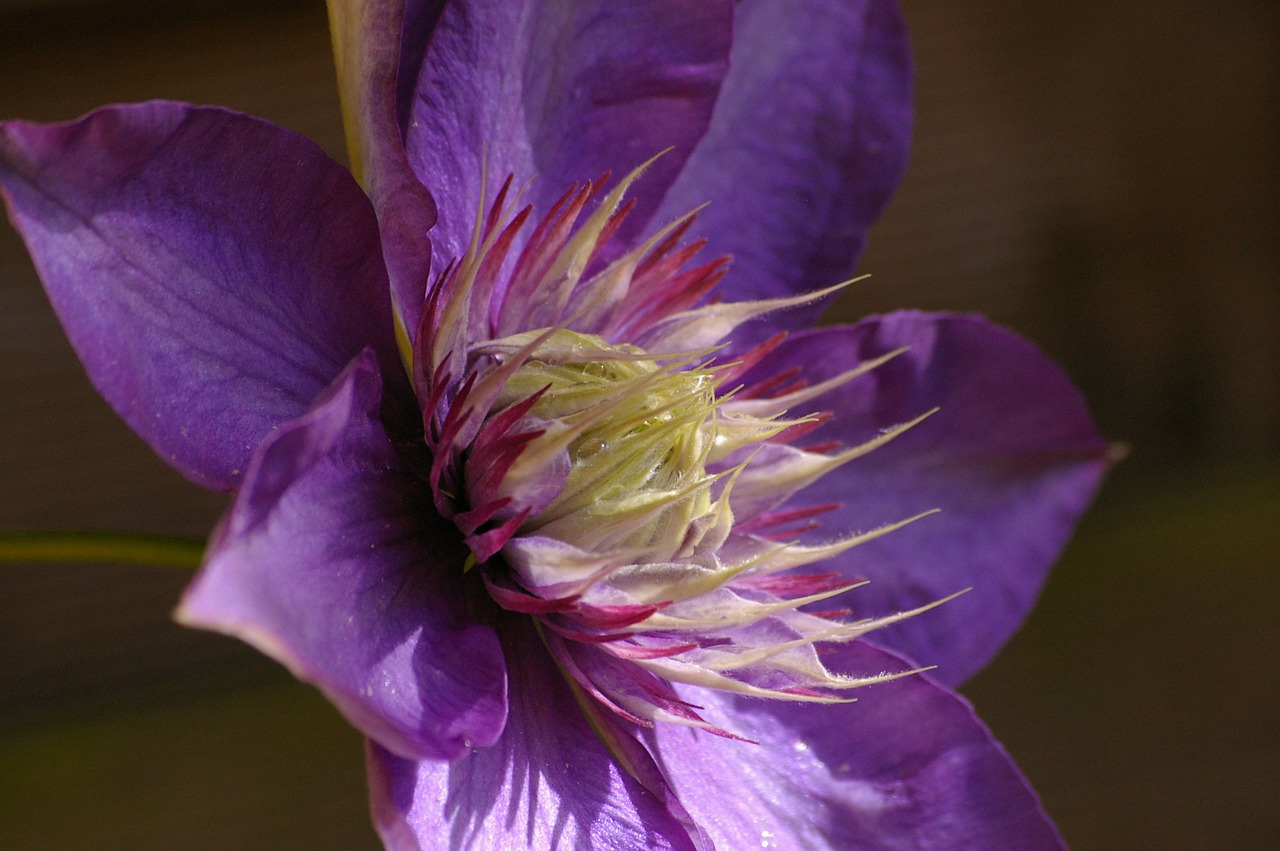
(548, 783)
(368, 58)
(808, 139)
(332, 562)
(908, 766)
(1011, 460)
(561, 92)
(214, 272)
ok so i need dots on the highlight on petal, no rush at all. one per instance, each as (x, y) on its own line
(808, 140)
(1011, 459)
(548, 783)
(908, 766)
(214, 272)
(331, 562)
(561, 92)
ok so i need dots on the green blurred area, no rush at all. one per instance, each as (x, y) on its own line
(265, 766)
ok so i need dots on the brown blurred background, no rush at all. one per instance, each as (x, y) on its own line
(1101, 176)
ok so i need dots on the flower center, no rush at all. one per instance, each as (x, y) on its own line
(628, 437)
(612, 482)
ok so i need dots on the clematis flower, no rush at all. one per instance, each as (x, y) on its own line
(536, 473)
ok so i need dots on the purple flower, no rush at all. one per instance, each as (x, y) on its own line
(563, 517)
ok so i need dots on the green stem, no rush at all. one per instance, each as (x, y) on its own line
(100, 547)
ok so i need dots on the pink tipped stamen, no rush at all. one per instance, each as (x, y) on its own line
(575, 418)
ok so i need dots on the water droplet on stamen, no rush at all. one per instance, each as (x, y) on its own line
(589, 448)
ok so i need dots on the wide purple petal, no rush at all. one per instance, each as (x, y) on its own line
(548, 783)
(808, 140)
(560, 92)
(213, 271)
(332, 561)
(908, 766)
(1012, 459)
(368, 54)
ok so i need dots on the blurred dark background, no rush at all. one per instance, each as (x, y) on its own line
(1101, 176)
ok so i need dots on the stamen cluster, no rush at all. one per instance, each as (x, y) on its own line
(611, 478)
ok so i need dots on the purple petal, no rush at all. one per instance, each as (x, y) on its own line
(332, 562)
(367, 51)
(561, 92)
(1012, 459)
(420, 18)
(214, 272)
(808, 140)
(548, 783)
(908, 766)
